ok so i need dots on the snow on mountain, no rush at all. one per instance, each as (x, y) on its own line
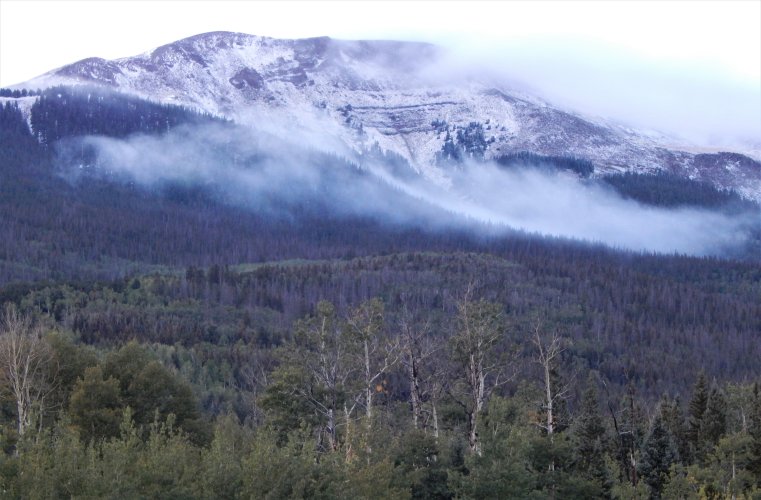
(395, 94)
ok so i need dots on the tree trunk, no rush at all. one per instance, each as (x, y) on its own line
(368, 386)
(331, 430)
(22, 416)
(473, 432)
(550, 417)
(550, 398)
(548, 353)
(477, 388)
(415, 398)
(349, 449)
(435, 421)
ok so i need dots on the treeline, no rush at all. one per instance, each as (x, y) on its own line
(669, 190)
(526, 159)
(17, 93)
(660, 189)
(367, 403)
(63, 112)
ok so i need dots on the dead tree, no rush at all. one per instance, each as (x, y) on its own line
(376, 353)
(549, 351)
(325, 373)
(424, 373)
(479, 328)
(26, 361)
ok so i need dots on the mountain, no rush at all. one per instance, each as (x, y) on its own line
(401, 95)
(202, 233)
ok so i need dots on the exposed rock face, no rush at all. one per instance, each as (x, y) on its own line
(247, 77)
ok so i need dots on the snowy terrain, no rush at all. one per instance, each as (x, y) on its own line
(395, 94)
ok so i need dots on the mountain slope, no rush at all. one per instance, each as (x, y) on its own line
(396, 94)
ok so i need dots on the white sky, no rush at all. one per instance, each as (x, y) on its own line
(716, 44)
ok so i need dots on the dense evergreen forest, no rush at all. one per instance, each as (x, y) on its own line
(162, 343)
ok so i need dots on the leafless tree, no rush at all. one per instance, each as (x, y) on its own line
(253, 379)
(323, 360)
(479, 328)
(549, 349)
(26, 364)
(376, 353)
(425, 375)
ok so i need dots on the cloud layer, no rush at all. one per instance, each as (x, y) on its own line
(689, 100)
(259, 170)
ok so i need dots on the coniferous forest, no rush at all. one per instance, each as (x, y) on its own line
(166, 342)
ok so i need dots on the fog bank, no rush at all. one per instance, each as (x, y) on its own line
(259, 170)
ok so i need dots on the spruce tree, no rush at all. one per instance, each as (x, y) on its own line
(589, 447)
(673, 420)
(715, 419)
(697, 410)
(658, 453)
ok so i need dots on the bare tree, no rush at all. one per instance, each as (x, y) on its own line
(324, 374)
(549, 351)
(435, 386)
(479, 328)
(26, 361)
(252, 381)
(425, 377)
(376, 353)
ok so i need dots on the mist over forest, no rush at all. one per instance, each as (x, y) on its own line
(270, 170)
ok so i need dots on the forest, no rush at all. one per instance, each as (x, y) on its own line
(162, 343)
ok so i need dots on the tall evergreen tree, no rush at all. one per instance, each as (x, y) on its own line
(715, 420)
(697, 410)
(589, 437)
(658, 453)
(673, 420)
(96, 406)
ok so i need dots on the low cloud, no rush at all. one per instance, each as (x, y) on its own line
(694, 102)
(260, 170)
(562, 205)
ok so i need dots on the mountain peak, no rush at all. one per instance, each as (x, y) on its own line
(391, 93)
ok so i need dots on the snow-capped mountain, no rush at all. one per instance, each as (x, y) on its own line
(396, 94)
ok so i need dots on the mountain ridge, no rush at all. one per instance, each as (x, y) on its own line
(399, 95)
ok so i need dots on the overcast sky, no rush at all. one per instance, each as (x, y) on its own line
(687, 67)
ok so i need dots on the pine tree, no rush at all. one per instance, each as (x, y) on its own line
(589, 445)
(697, 410)
(673, 420)
(658, 453)
(715, 419)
